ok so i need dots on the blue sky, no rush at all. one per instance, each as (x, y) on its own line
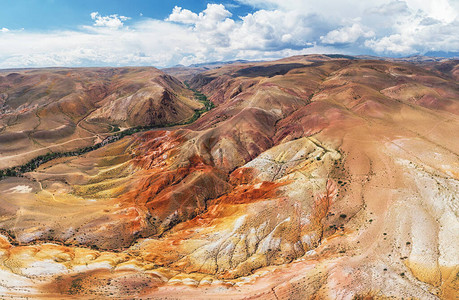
(46, 33)
(69, 14)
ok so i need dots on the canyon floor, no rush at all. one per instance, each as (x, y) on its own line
(313, 177)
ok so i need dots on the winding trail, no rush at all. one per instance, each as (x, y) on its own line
(97, 144)
(47, 147)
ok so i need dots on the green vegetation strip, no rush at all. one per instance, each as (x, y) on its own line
(41, 159)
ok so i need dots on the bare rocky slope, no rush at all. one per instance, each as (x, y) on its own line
(43, 110)
(313, 178)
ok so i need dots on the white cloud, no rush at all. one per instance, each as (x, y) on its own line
(4, 29)
(395, 43)
(184, 16)
(419, 30)
(213, 14)
(276, 28)
(273, 30)
(396, 7)
(147, 43)
(390, 27)
(211, 27)
(111, 21)
(414, 36)
(348, 34)
(437, 9)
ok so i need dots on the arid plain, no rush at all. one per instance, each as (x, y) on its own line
(313, 177)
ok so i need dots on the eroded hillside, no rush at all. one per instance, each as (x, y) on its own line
(312, 178)
(58, 110)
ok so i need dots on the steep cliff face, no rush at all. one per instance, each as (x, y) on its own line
(313, 177)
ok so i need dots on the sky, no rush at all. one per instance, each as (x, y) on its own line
(163, 33)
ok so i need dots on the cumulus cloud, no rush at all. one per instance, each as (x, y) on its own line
(275, 28)
(111, 21)
(147, 43)
(4, 29)
(345, 35)
(420, 29)
(213, 14)
(184, 16)
(417, 37)
(388, 27)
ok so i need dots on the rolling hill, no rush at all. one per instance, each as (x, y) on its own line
(45, 110)
(314, 177)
